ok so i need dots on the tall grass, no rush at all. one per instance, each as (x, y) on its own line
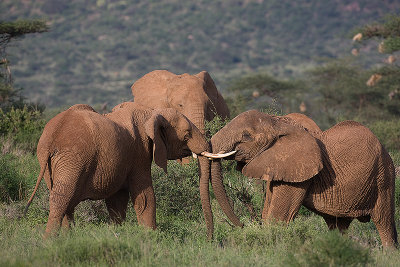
(180, 238)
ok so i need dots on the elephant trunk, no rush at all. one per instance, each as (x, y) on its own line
(220, 193)
(204, 169)
(198, 144)
(197, 116)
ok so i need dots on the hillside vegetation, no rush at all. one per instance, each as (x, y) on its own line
(96, 49)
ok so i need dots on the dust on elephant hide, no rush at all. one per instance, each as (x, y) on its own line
(85, 155)
(195, 96)
(343, 173)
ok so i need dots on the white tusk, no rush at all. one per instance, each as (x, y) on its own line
(217, 156)
(194, 155)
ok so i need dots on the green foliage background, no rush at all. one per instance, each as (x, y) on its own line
(96, 49)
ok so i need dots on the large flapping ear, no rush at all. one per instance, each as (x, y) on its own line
(210, 88)
(294, 157)
(216, 98)
(155, 130)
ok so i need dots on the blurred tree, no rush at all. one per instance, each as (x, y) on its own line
(264, 92)
(387, 33)
(9, 31)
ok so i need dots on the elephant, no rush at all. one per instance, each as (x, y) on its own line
(86, 155)
(195, 96)
(342, 173)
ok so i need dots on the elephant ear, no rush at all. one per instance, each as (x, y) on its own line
(155, 129)
(209, 88)
(295, 157)
(218, 102)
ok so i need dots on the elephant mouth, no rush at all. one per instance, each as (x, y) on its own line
(186, 153)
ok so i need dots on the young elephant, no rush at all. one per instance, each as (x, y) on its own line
(85, 155)
(343, 173)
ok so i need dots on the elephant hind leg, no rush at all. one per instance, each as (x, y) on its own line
(340, 223)
(58, 212)
(68, 219)
(387, 231)
(116, 206)
(62, 202)
(386, 227)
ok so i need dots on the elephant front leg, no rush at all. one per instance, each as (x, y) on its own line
(267, 202)
(116, 206)
(144, 201)
(286, 200)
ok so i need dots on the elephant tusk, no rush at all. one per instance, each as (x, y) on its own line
(194, 155)
(218, 155)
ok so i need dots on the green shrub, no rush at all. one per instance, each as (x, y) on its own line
(388, 132)
(22, 126)
(329, 249)
(12, 184)
(213, 126)
(177, 193)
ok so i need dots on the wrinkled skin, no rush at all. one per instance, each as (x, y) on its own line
(85, 155)
(343, 173)
(195, 96)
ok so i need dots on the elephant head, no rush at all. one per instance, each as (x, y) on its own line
(266, 147)
(195, 96)
(175, 136)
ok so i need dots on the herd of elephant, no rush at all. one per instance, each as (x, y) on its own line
(342, 173)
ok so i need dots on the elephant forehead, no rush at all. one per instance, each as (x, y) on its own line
(253, 119)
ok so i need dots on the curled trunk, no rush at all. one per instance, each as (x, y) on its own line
(220, 193)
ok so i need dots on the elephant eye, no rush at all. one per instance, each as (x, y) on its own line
(187, 136)
(246, 136)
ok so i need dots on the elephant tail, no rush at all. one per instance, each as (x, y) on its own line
(39, 179)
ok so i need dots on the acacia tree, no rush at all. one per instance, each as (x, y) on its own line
(388, 35)
(10, 31)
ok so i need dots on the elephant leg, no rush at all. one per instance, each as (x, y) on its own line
(62, 200)
(117, 204)
(340, 223)
(144, 201)
(286, 200)
(267, 202)
(383, 218)
(59, 202)
(68, 219)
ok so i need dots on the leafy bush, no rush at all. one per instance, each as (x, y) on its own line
(330, 249)
(177, 193)
(12, 184)
(22, 126)
(388, 132)
(213, 126)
